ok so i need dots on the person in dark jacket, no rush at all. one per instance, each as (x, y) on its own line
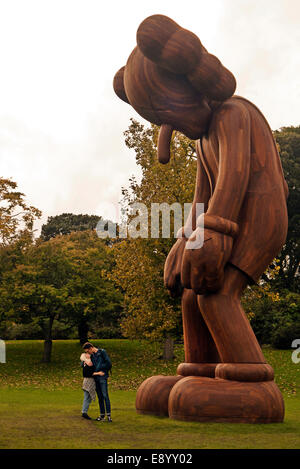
(101, 363)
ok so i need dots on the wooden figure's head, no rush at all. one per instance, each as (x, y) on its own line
(171, 80)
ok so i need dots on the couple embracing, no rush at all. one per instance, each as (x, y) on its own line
(95, 367)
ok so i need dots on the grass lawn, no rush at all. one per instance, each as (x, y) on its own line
(40, 403)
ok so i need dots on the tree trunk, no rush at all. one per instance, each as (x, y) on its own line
(83, 329)
(47, 351)
(48, 342)
(168, 353)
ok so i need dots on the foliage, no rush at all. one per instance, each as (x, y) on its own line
(61, 279)
(98, 330)
(32, 330)
(173, 182)
(284, 336)
(270, 312)
(149, 311)
(288, 140)
(16, 229)
(16, 217)
(66, 223)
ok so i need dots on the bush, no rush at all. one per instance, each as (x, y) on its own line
(61, 331)
(15, 331)
(283, 337)
(105, 332)
(32, 331)
(274, 317)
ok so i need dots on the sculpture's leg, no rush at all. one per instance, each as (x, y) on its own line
(201, 359)
(201, 355)
(243, 390)
(228, 323)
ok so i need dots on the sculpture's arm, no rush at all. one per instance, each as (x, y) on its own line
(202, 267)
(232, 127)
(201, 196)
(173, 262)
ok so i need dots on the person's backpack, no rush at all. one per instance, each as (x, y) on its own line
(107, 360)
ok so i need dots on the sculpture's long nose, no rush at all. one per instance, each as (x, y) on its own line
(164, 142)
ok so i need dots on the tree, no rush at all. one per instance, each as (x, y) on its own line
(149, 311)
(16, 217)
(288, 140)
(91, 294)
(16, 228)
(64, 279)
(272, 314)
(66, 223)
(35, 289)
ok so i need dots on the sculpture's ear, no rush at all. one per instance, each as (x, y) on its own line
(180, 51)
(168, 45)
(212, 79)
(118, 85)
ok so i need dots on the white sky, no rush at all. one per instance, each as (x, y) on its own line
(61, 125)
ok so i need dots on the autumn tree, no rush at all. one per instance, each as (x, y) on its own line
(16, 217)
(64, 279)
(288, 140)
(66, 223)
(16, 228)
(150, 312)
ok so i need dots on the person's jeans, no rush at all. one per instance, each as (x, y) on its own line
(102, 393)
(86, 402)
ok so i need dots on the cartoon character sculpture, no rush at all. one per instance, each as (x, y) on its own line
(171, 80)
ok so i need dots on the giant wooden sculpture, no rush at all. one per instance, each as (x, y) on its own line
(172, 81)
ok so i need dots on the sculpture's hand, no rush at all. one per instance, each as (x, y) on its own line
(172, 268)
(202, 268)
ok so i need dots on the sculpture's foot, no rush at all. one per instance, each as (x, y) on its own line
(218, 400)
(197, 369)
(153, 394)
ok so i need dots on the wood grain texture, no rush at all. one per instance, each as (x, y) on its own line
(218, 400)
(254, 372)
(219, 224)
(197, 369)
(153, 394)
(247, 184)
(118, 85)
(164, 142)
(180, 51)
(199, 345)
(227, 321)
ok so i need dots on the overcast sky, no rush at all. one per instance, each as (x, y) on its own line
(61, 125)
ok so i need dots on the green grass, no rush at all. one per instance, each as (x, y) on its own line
(40, 403)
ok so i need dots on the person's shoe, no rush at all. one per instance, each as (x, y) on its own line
(101, 418)
(86, 416)
(109, 418)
